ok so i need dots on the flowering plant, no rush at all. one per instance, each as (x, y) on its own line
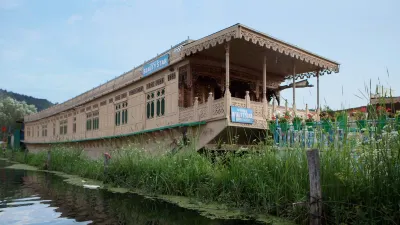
(285, 118)
(297, 118)
(309, 118)
(382, 110)
(360, 114)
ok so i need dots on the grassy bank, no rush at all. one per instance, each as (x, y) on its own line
(359, 185)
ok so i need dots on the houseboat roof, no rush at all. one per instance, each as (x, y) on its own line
(247, 48)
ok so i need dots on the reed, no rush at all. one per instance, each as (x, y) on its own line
(360, 182)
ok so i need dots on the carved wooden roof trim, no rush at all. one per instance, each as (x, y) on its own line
(239, 31)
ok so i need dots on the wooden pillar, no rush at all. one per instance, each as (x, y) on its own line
(307, 112)
(294, 89)
(190, 78)
(264, 98)
(247, 100)
(227, 69)
(227, 92)
(257, 90)
(273, 105)
(210, 102)
(315, 186)
(318, 106)
(195, 107)
(286, 106)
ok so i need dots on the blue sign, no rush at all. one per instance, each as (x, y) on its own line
(241, 115)
(158, 64)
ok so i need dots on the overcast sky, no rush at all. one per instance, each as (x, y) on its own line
(59, 49)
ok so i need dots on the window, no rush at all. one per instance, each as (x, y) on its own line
(95, 120)
(37, 131)
(155, 83)
(121, 113)
(74, 126)
(89, 121)
(63, 127)
(54, 129)
(171, 76)
(44, 130)
(92, 121)
(136, 90)
(28, 131)
(155, 103)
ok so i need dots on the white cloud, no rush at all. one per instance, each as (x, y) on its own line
(73, 19)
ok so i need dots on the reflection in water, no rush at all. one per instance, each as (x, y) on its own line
(28, 197)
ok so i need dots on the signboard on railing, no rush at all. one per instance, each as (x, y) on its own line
(241, 115)
(155, 65)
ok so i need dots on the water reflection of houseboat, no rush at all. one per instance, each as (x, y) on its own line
(189, 90)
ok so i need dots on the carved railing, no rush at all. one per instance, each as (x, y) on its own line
(186, 114)
(199, 112)
(218, 108)
(213, 109)
(239, 102)
(202, 111)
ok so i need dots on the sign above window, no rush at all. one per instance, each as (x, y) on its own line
(241, 115)
(155, 65)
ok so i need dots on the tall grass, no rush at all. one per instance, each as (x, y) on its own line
(360, 185)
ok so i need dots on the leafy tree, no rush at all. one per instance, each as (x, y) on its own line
(39, 103)
(12, 110)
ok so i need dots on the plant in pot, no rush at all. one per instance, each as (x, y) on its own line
(296, 122)
(284, 122)
(360, 116)
(272, 124)
(309, 122)
(326, 120)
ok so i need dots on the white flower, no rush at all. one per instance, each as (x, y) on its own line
(277, 114)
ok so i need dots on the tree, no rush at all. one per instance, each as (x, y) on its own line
(12, 110)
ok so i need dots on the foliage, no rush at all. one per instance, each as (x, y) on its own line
(40, 104)
(12, 110)
(297, 118)
(360, 114)
(382, 111)
(285, 118)
(309, 118)
(359, 182)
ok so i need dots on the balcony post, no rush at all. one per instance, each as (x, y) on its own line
(264, 98)
(227, 91)
(210, 101)
(318, 106)
(307, 112)
(247, 100)
(195, 107)
(273, 105)
(294, 89)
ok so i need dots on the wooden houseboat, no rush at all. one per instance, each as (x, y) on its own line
(205, 91)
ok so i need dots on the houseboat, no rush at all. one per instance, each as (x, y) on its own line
(204, 91)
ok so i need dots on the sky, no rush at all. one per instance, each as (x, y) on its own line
(60, 49)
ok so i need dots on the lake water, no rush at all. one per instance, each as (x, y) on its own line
(29, 197)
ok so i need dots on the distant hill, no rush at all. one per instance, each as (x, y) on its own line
(39, 103)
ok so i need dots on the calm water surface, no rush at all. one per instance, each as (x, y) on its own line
(29, 197)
